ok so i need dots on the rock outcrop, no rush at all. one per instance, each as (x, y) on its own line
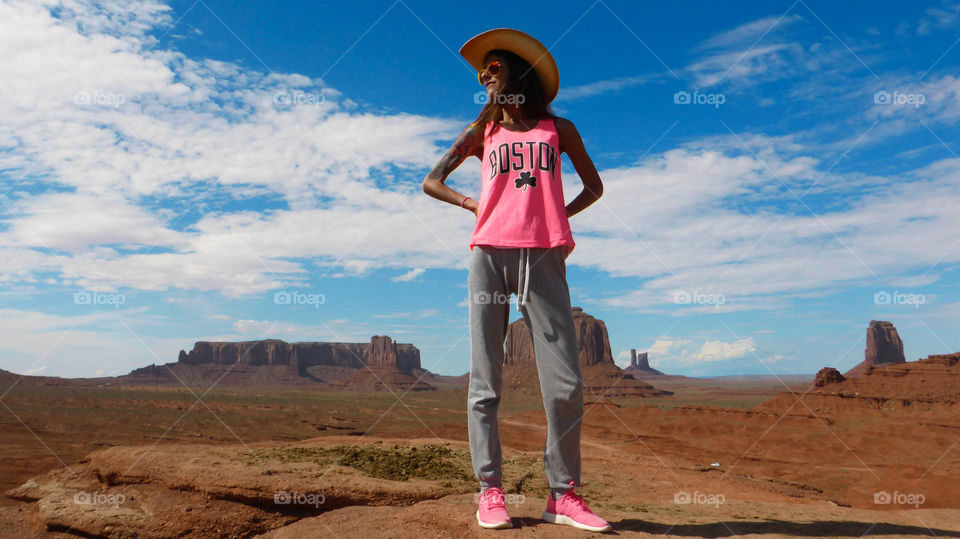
(593, 338)
(594, 343)
(640, 364)
(200, 490)
(884, 347)
(883, 344)
(828, 375)
(601, 376)
(915, 386)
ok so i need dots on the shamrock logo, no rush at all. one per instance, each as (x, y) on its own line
(524, 180)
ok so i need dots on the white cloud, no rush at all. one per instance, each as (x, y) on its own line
(687, 355)
(772, 49)
(935, 99)
(683, 220)
(422, 313)
(748, 33)
(408, 276)
(77, 221)
(748, 54)
(36, 371)
(602, 87)
(722, 351)
(113, 17)
(939, 18)
(138, 142)
(760, 63)
(73, 345)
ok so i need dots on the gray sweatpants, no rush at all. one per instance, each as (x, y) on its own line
(538, 277)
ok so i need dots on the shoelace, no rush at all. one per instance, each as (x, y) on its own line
(575, 498)
(493, 499)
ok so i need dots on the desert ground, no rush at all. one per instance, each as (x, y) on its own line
(717, 458)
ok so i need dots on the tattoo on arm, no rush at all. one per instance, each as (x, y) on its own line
(467, 144)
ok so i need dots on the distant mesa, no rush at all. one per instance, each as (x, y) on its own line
(379, 365)
(884, 347)
(381, 351)
(601, 376)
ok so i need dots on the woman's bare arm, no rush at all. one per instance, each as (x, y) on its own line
(470, 142)
(572, 145)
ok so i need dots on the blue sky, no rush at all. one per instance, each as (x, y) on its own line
(776, 175)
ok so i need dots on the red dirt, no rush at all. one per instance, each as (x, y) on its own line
(809, 462)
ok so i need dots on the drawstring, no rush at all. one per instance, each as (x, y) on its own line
(524, 271)
(526, 277)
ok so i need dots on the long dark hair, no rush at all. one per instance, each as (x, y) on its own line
(522, 80)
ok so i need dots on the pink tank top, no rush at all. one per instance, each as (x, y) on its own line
(521, 196)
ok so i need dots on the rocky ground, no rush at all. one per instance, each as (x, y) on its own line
(873, 456)
(351, 486)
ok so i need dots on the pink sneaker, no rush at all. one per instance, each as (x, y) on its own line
(492, 512)
(571, 510)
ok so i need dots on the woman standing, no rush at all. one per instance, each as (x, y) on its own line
(519, 245)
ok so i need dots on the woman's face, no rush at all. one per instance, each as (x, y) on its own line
(494, 84)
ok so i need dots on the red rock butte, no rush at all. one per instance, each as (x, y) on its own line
(601, 376)
(883, 347)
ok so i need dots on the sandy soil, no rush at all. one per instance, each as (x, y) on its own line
(803, 463)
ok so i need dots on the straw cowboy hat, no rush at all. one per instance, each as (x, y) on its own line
(522, 45)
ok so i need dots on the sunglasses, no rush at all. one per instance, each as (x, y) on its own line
(493, 68)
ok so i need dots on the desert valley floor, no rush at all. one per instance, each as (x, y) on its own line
(717, 458)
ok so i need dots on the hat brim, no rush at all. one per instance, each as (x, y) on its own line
(515, 41)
